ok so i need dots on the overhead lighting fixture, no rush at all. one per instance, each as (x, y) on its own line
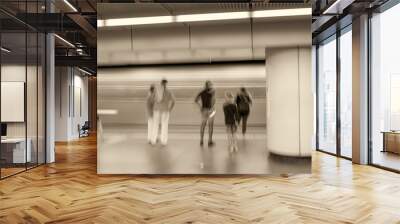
(84, 71)
(136, 21)
(107, 112)
(64, 40)
(281, 13)
(212, 16)
(338, 6)
(5, 50)
(71, 6)
(203, 17)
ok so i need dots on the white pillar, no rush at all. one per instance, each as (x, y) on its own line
(50, 99)
(290, 102)
(360, 90)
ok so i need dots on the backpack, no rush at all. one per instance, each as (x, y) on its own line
(243, 105)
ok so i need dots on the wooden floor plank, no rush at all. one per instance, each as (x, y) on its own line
(70, 191)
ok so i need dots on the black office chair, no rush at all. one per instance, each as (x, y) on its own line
(84, 130)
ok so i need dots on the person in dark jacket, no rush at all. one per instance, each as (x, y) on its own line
(231, 120)
(243, 101)
(207, 98)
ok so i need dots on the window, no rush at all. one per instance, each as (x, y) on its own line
(327, 96)
(346, 93)
(22, 77)
(385, 89)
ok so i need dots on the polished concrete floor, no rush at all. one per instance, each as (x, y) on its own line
(123, 149)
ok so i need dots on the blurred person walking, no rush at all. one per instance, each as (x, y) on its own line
(244, 101)
(206, 101)
(164, 103)
(151, 99)
(231, 120)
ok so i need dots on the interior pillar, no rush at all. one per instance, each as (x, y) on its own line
(50, 93)
(290, 101)
(360, 90)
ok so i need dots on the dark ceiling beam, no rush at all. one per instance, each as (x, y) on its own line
(49, 22)
(86, 26)
(81, 61)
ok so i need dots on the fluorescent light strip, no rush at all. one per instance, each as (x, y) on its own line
(5, 50)
(203, 17)
(212, 16)
(70, 5)
(64, 40)
(281, 13)
(337, 7)
(84, 71)
(107, 112)
(138, 21)
(331, 7)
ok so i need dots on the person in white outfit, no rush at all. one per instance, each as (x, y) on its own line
(164, 103)
(151, 98)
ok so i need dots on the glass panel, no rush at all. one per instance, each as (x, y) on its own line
(31, 100)
(346, 94)
(41, 99)
(13, 89)
(385, 83)
(327, 96)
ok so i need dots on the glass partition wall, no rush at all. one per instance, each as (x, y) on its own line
(334, 85)
(22, 77)
(385, 89)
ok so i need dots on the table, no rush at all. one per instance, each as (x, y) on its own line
(391, 141)
(13, 150)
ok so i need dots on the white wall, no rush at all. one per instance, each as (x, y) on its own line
(16, 73)
(69, 82)
(290, 101)
(125, 90)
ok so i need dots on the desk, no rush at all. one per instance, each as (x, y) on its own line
(391, 141)
(13, 150)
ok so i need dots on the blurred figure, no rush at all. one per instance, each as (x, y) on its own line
(243, 101)
(231, 120)
(207, 98)
(164, 103)
(151, 99)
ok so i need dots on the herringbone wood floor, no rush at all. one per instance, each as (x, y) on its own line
(69, 191)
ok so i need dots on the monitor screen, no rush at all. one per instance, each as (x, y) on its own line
(3, 129)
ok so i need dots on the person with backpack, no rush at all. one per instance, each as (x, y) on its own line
(231, 120)
(243, 101)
